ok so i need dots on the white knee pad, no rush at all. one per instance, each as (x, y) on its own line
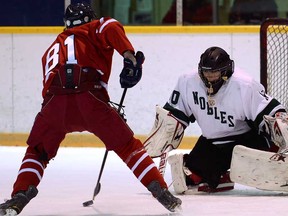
(178, 175)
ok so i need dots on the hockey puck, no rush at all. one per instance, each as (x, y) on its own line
(87, 203)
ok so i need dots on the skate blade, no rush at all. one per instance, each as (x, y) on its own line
(8, 212)
(177, 211)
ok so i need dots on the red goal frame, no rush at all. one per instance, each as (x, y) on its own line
(263, 46)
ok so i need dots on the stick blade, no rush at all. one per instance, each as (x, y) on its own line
(88, 203)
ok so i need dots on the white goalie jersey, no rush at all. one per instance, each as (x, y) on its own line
(226, 113)
(239, 103)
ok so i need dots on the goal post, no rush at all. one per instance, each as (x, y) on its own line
(274, 58)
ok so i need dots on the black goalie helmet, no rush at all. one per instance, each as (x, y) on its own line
(78, 14)
(215, 59)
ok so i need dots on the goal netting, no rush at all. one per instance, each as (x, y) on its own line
(274, 58)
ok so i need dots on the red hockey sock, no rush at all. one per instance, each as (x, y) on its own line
(140, 163)
(30, 172)
(195, 178)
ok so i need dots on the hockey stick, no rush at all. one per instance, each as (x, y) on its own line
(98, 184)
(163, 160)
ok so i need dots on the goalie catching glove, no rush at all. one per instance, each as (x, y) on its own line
(167, 132)
(278, 130)
(131, 74)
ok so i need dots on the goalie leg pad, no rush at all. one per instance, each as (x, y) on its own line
(258, 169)
(178, 175)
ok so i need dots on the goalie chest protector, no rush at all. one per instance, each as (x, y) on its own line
(255, 168)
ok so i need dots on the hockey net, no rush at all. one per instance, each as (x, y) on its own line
(274, 58)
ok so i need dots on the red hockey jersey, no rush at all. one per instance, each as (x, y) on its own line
(89, 45)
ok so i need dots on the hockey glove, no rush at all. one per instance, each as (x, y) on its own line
(131, 74)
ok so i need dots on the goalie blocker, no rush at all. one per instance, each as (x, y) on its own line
(167, 132)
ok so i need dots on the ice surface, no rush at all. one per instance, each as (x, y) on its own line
(70, 179)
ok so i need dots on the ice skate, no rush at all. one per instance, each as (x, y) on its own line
(16, 204)
(164, 196)
(225, 184)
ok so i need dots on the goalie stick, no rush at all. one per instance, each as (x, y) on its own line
(163, 160)
(165, 135)
(98, 184)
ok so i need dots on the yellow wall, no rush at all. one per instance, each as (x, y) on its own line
(78, 140)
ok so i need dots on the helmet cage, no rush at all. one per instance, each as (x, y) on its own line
(78, 14)
(225, 73)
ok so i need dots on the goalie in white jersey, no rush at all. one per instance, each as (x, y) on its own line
(229, 107)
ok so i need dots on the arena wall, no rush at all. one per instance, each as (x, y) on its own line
(169, 51)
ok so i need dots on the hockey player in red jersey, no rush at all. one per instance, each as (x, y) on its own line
(76, 70)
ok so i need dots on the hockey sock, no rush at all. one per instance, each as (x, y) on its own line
(30, 172)
(195, 179)
(140, 163)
